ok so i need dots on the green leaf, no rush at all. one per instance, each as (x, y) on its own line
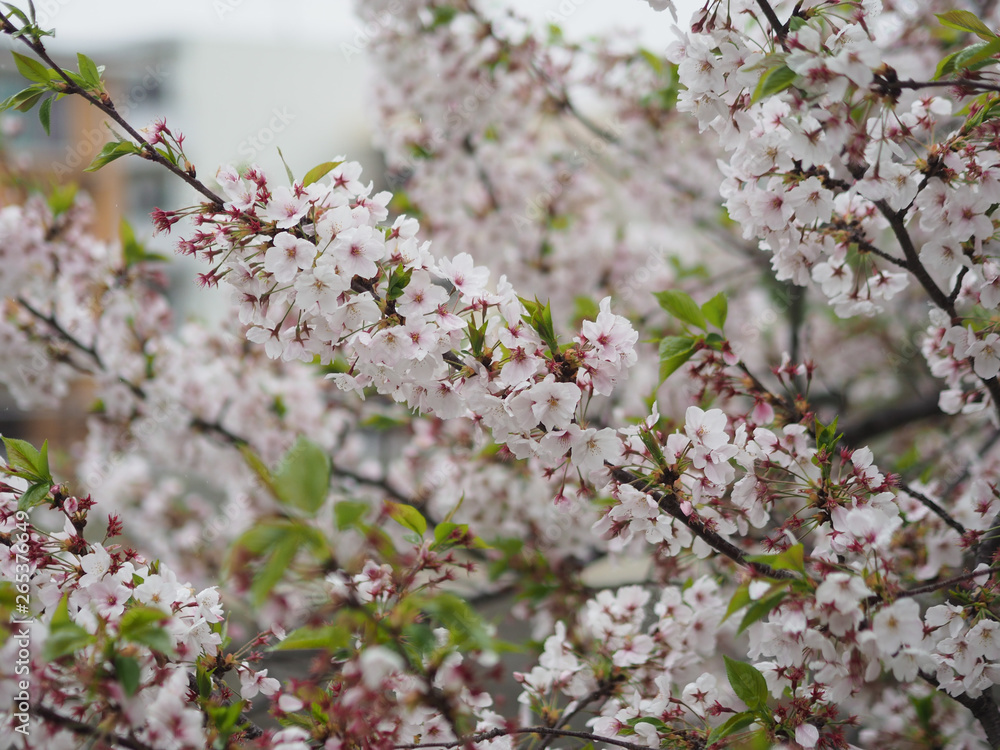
(348, 513)
(681, 306)
(62, 197)
(127, 670)
(288, 169)
(45, 115)
(827, 437)
(303, 478)
(741, 598)
(975, 54)
(747, 682)
(760, 608)
(142, 625)
(443, 15)
(282, 554)
(203, 678)
(327, 637)
(946, 66)
(674, 352)
(963, 20)
(716, 310)
(278, 542)
(111, 152)
(732, 725)
(408, 516)
(65, 636)
(31, 69)
(319, 171)
(773, 81)
(464, 624)
(137, 618)
(23, 456)
(653, 60)
(792, 558)
(132, 250)
(88, 71)
(397, 282)
(259, 467)
(477, 338)
(539, 317)
(33, 496)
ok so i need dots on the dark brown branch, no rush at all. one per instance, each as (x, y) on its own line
(858, 431)
(984, 710)
(671, 505)
(868, 247)
(82, 728)
(938, 585)
(780, 30)
(970, 86)
(932, 506)
(501, 732)
(958, 284)
(108, 108)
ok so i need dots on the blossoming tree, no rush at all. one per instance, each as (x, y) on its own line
(817, 512)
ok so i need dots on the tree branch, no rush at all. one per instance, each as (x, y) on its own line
(858, 431)
(82, 728)
(671, 505)
(501, 732)
(108, 108)
(932, 506)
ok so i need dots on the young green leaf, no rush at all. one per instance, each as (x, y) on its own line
(33, 496)
(408, 516)
(732, 725)
(89, 71)
(45, 115)
(773, 81)
(23, 456)
(963, 20)
(288, 169)
(747, 682)
(791, 559)
(326, 637)
(303, 478)
(716, 310)
(760, 609)
(681, 306)
(31, 69)
(319, 171)
(674, 352)
(348, 513)
(127, 670)
(110, 152)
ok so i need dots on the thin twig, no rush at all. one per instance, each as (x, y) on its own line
(109, 109)
(82, 728)
(938, 585)
(932, 506)
(669, 503)
(501, 732)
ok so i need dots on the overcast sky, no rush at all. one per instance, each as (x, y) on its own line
(91, 23)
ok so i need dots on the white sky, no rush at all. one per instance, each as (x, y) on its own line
(92, 23)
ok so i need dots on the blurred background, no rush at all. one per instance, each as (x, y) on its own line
(241, 79)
